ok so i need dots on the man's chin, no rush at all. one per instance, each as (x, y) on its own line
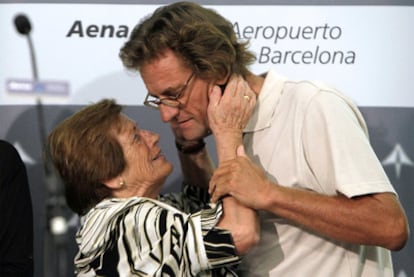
(190, 134)
(195, 137)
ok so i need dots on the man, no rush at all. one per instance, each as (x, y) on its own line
(16, 228)
(326, 206)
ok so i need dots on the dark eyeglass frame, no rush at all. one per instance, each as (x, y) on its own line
(170, 101)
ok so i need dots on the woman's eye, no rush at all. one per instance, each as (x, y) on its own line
(136, 137)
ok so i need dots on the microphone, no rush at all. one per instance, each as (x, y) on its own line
(23, 26)
(55, 245)
(53, 182)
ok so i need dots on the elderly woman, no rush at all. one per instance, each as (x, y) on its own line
(113, 173)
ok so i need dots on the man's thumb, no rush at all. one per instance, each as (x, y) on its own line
(214, 95)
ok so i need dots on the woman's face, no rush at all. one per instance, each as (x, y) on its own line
(146, 168)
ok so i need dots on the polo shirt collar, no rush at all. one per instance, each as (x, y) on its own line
(266, 102)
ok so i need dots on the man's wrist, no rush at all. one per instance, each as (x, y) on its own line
(191, 148)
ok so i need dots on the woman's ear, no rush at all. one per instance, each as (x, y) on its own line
(115, 183)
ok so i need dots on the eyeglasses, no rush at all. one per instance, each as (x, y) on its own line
(171, 101)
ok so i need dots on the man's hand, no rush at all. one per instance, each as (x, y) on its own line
(240, 178)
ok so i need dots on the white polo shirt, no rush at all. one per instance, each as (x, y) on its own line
(312, 137)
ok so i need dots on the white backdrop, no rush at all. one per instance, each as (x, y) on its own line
(72, 46)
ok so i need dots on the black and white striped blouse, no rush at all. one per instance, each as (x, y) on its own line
(145, 237)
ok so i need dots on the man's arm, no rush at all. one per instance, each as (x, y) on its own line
(333, 131)
(375, 219)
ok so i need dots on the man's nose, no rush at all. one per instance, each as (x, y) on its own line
(168, 113)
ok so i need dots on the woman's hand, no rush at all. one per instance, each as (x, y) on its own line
(228, 115)
(230, 111)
